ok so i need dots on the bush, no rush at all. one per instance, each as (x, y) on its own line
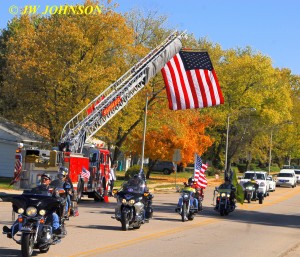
(135, 169)
(211, 171)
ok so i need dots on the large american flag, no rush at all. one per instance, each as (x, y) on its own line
(191, 81)
(18, 169)
(199, 172)
(85, 173)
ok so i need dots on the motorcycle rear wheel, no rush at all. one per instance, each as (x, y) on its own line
(27, 244)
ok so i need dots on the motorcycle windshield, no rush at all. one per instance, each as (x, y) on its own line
(40, 201)
(224, 190)
(134, 186)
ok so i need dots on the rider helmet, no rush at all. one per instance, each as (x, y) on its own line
(46, 175)
(62, 172)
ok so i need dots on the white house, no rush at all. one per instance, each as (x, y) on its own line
(10, 135)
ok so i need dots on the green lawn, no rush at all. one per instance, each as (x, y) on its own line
(4, 183)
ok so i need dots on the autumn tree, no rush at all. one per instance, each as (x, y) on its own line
(55, 65)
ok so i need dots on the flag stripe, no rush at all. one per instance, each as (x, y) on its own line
(199, 172)
(191, 82)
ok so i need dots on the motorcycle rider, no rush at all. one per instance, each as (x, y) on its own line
(190, 186)
(227, 185)
(136, 180)
(41, 189)
(255, 184)
(63, 181)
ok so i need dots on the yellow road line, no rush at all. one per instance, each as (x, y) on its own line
(192, 225)
(143, 238)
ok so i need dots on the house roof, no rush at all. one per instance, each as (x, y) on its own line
(19, 133)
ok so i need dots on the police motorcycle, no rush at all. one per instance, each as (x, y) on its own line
(133, 203)
(224, 202)
(34, 222)
(251, 192)
(188, 204)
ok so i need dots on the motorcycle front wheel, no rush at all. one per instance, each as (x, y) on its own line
(183, 212)
(27, 244)
(124, 221)
(249, 198)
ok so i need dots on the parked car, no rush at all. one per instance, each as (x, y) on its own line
(260, 177)
(286, 177)
(272, 183)
(167, 167)
(297, 172)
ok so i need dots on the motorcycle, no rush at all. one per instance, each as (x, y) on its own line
(251, 192)
(187, 205)
(133, 204)
(224, 205)
(34, 222)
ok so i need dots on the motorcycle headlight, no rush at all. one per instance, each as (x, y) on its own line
(20, 210)
(42, 212)
(223, 194)
(124, 201)
(131, 202)
(185, 196)
(249, 188)
(228, 195)
(31, 211)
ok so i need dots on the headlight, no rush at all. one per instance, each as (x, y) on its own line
(124, 201)
(223, 194)
(185, 196)
(131, 202)
(20, 210)
(228, 195)
(249, 188)
(31, 211)
(42, 212)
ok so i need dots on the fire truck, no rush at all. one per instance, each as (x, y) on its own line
(88, 165)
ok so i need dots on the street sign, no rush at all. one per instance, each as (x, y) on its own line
(177, 155)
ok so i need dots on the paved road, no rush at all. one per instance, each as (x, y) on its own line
(271, 229)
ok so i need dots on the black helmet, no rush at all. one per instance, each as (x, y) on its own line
(63, 171)
(46, 175)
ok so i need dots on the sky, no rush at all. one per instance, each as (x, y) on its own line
(270, 27)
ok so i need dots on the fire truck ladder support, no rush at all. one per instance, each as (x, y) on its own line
(106, 105)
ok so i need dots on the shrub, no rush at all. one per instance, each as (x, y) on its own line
(135, 169)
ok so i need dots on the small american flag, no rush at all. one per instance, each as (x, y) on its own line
(85, 173)
(191, 81)
(18, 169)
(199, 173)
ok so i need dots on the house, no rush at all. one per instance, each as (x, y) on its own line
(10, 135)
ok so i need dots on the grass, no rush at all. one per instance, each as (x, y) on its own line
(4, 183)
(155, 178)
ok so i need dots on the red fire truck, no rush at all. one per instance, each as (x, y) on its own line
(89, 172)
(89, 166)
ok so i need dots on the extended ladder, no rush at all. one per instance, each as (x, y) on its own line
(97, 113)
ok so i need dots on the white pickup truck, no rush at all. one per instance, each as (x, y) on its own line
(260, 177)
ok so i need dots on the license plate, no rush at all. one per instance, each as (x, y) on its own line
(282, 180)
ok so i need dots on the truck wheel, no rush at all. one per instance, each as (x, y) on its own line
(166, 172)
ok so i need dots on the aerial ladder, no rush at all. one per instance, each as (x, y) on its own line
(106, 105)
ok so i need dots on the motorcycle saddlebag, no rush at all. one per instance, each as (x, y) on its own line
(149, 213)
